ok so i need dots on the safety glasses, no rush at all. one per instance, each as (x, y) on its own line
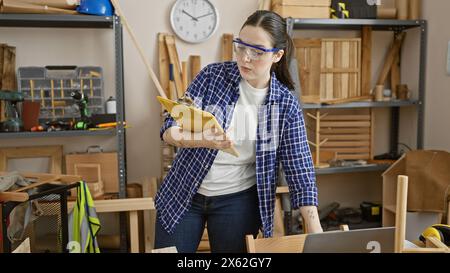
(253, 52)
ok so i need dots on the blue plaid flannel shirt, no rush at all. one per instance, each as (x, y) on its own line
(218, 85)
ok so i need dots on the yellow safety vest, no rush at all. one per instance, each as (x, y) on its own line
(84, 223)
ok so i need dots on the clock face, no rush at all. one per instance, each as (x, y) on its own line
(194, 21)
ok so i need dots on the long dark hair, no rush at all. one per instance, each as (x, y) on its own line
(275, 26)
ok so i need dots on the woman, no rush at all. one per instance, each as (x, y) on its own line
(235, 195)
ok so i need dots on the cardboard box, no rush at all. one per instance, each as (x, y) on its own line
(429, 183)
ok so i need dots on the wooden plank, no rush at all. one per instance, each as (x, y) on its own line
(345, 124)
(337, 86)
(344, 130)
(278, 218)
(149, 189)
(352, 92)
(346, 117)
(302, 11)
(400, 214)
(340, 70)
(347, 150)
(346, 144)
(301, 43)
(134, 232)
(13, 196)
(345, 137)
(366, 62)
(121, 205)
(353, 156)
(311, 3)
(173, 57)
(184, 76)
(347, 100)
(391, 56)
(308, 58)
(372, 133)
(285, 244)
(195, 61)
(346, 64)
(163, 61)
(395, 76)
(329, 63)
(227, 47)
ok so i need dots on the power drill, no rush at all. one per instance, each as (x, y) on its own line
(13, 123)
(82, 101)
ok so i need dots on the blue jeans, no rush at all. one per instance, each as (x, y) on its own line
(229, 219)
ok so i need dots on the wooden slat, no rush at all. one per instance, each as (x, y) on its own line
(13, 196)
(345, 137)
(346, 117)
(329, 63)
(307, 43)
(344, 130)
(345, 124)
(352, 92)
(340, 70)
(121, 205)
(395, 75)
(173, 57)
(346, 150)
(337, 86)
(345, 64)
(390, 58)
(184, 75)
(366, 62)
(285, 244)
(227, 47)
(346, 144)
(134, 232)
(195, 63)
(353, 156)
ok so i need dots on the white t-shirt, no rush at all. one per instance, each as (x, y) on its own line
(230, 174)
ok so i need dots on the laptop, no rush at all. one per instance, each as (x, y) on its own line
(376, 240)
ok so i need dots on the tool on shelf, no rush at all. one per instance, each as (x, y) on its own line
(81, 100)
(13, 122)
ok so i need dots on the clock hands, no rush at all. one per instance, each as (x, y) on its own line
(193, 18)
(204, 15)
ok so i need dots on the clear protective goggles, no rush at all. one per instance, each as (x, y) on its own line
(253, 52)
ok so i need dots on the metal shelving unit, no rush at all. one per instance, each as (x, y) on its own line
(397, 26)
(109, 132)
(89, 22)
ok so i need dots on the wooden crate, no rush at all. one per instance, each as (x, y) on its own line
(329, 69)
(311, 3)
(302, 11)
(346, 133)
(340, 69)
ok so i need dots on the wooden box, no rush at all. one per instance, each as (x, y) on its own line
(91, 174)
(302, 11)
(329, 69)
(346, 134)
(109, 165)
(340, 76)
(310, 3)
